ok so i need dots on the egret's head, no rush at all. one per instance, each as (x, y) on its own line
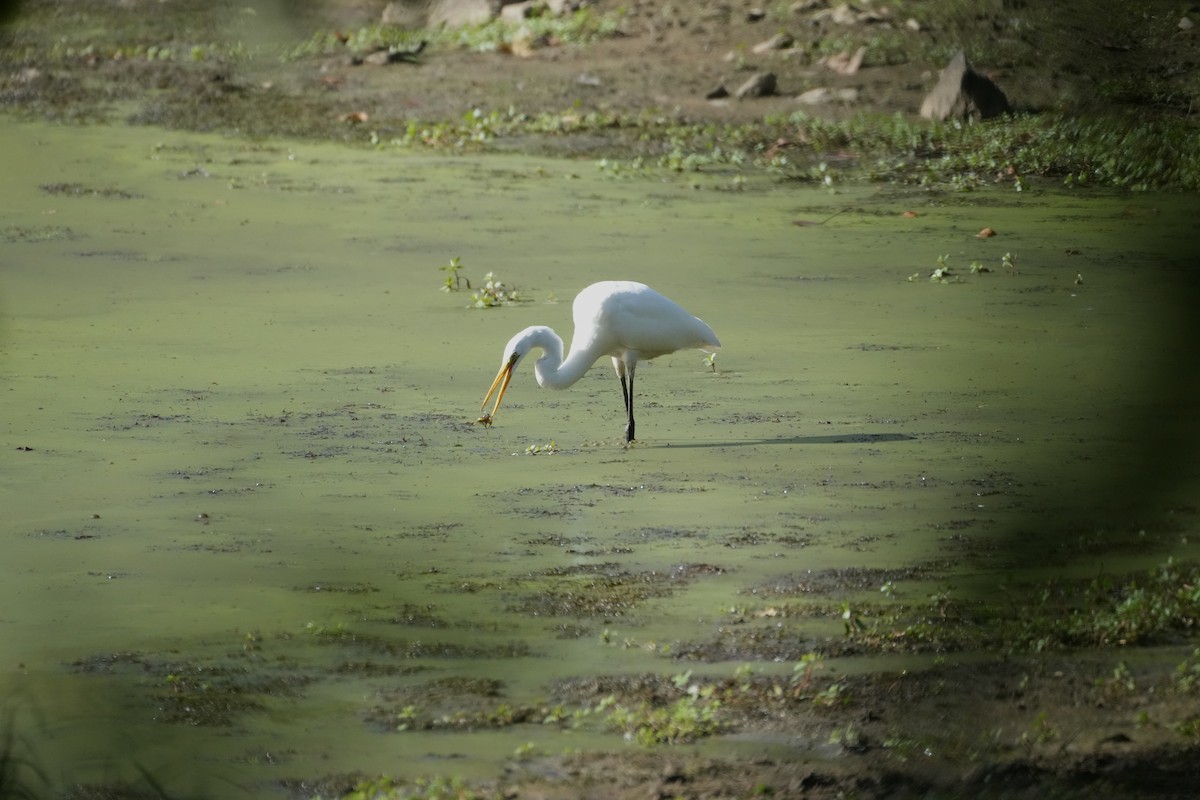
(517, 348)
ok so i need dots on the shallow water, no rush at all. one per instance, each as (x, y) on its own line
(238, 415)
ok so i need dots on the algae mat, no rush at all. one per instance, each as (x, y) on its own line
(252, 533)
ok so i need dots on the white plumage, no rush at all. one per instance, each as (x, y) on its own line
(628, 321)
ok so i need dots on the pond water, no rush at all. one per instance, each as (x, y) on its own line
(239, 461)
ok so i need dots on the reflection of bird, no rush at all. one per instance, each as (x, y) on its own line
(625, 320)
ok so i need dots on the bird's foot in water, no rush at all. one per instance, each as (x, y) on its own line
(485, 421)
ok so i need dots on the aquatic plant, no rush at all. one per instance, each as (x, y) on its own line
(362, 40)
(454, 281)
(542, 449)
(943, 273)
(831, 696)
(804, 670)
(690, 717)
(1139, 609)
(1118, 683)
(1042, 731)
(494, 293)
(1121, 150)
(1187, 674)
(578, 28)
(435, 787)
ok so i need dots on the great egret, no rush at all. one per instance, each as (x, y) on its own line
(625, 320)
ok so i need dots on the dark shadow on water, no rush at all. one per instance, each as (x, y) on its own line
(841, 438)
(24, 774)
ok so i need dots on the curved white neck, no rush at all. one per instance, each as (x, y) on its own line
(551, 370)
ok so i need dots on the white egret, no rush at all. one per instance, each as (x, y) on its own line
(625, 320)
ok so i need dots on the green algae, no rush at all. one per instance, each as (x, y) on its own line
(238, 432)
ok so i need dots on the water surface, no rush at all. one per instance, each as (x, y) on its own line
(238, 427)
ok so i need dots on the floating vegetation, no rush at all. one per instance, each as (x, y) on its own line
(603, 597)
(79, 190)
(342, 636)
(491, 294)
(692, 716)
(494, 293)
(32, 234)
(1108, 611)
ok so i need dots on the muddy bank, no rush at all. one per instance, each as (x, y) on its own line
(284, 70)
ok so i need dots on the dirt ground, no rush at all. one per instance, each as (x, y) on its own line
(670, 57)
(84, 59)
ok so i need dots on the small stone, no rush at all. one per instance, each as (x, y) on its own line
(780, 41)
(844, 15)
(822, 94)
(717, 93)
(1186, 24)
(515, 13)
(525, 43)
(761, 84)
(846, 63)
(457, 13)
(404, 14)
(814, 97)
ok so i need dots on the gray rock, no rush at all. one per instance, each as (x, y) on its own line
(405, 13)
(432, 13)
(456, 13)
(780, 41)
(846, 63)
(843, 14)
(963, 93)
(560, 7)
(761, 84)
(517, 12)
(821, 95)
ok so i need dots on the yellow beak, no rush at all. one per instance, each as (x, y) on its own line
(502, 380)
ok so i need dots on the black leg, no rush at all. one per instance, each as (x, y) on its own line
(627, 391)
